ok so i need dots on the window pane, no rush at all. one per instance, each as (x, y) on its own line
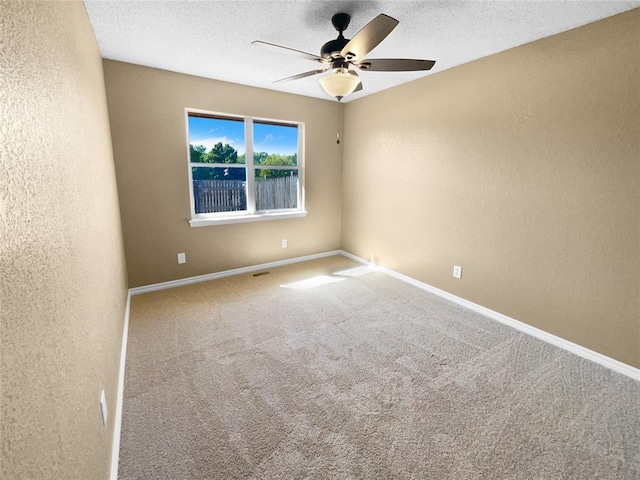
(275, 144)
(215, 140)
(276, 189)
(219, 189)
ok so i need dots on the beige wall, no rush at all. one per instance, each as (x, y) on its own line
(62, 271)
(524, 168)
(146, 109)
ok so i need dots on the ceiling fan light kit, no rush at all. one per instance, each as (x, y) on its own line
(343, 56)
(339, 84)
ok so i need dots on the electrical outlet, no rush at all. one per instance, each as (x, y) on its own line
(182, 258)
(457, 271)
(103, 408)
(284, 243)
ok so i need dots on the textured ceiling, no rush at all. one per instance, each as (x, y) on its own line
(213, 38)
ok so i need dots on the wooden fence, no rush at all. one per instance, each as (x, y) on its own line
(274, 193)
(219, 195)
(230, 195)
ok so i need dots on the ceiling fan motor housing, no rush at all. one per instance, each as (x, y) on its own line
(332, 48)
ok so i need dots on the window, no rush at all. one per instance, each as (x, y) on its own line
(243, 169)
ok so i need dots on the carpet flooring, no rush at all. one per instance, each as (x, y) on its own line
(358, 375)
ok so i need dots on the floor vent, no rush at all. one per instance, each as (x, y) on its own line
(259, 274)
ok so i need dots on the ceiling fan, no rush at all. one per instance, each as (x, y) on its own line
(344, 56)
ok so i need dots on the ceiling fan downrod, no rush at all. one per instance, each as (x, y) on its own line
(332, 48)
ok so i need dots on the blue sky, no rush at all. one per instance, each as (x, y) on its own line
(267, 138)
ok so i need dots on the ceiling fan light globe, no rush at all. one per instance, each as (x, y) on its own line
(339, 84)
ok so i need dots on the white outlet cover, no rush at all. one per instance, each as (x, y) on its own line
(182, 258)
(457, 271)
(103, 409)
(284, 243)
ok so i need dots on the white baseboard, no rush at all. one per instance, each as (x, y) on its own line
(608, 362)
(117, 418)
(227, 273)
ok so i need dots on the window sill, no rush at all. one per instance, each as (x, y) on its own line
(206, 221)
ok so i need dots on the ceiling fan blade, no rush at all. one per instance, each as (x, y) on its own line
(302, 75)
(299, 53)
(395, 64)
(369, 37)
(358, 88)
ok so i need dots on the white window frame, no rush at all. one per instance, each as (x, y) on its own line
(251, 214)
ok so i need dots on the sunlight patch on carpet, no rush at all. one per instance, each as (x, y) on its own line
(313, 282)
(355, 271)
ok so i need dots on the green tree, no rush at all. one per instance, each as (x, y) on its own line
(221, 154)
(276, 159)
(259, 157)
(196, 153)
(218, 154)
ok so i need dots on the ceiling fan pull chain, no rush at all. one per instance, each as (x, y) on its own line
(338, 129)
